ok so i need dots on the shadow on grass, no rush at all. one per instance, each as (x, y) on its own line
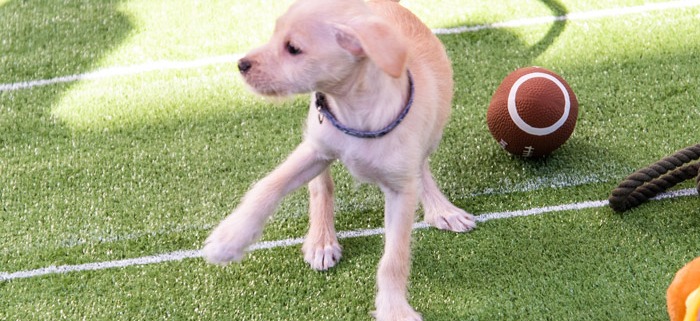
(558, 10)
(44, 40)
(38, 155)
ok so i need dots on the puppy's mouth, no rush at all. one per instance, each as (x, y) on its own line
(266, 85)
(267, 90)
(261, 83)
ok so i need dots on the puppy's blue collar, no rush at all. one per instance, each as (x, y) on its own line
(324, 112)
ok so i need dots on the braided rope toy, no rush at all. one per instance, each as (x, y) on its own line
(656, 178)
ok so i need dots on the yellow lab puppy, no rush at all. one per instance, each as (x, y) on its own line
(382, 86)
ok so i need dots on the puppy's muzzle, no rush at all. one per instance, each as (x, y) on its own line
(244, 65)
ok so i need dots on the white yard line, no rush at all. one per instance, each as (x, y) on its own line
(574, 16)
(124, 71)
(505, 187)
(230, 59)
(188, 254)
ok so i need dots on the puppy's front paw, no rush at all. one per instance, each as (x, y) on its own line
(452, 219)
(228, 242)
(218, 251)
(321, 253)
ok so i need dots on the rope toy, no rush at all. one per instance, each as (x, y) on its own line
(658, 177)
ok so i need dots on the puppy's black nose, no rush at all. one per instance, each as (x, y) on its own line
(244, 65)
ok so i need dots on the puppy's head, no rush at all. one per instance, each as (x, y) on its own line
(319, 45)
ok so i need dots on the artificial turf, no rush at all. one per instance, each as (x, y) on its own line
(142, 164)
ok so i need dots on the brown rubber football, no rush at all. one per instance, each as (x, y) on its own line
(533, 112)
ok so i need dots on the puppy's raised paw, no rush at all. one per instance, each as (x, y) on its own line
(218, 251)
(228, 242)
(321, 254)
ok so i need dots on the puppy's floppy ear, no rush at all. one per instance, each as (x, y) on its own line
(373, 38)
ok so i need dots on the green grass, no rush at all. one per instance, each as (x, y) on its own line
(137, 165)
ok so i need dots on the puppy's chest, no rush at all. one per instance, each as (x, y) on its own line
(365, 170)
(368, 160)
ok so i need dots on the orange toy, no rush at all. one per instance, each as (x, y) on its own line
(683, 295)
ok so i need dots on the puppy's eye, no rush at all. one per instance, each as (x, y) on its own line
(292, 49)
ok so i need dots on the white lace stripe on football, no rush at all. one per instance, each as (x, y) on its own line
(513, 108)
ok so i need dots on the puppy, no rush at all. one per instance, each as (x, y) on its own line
(382, 86)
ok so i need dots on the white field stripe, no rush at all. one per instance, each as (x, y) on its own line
(540, 182)
(181, 255)
(587, 15)
(170, 65)
(124, 71)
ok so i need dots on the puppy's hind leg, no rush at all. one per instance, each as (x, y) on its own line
(439, 211)
(321, 248)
